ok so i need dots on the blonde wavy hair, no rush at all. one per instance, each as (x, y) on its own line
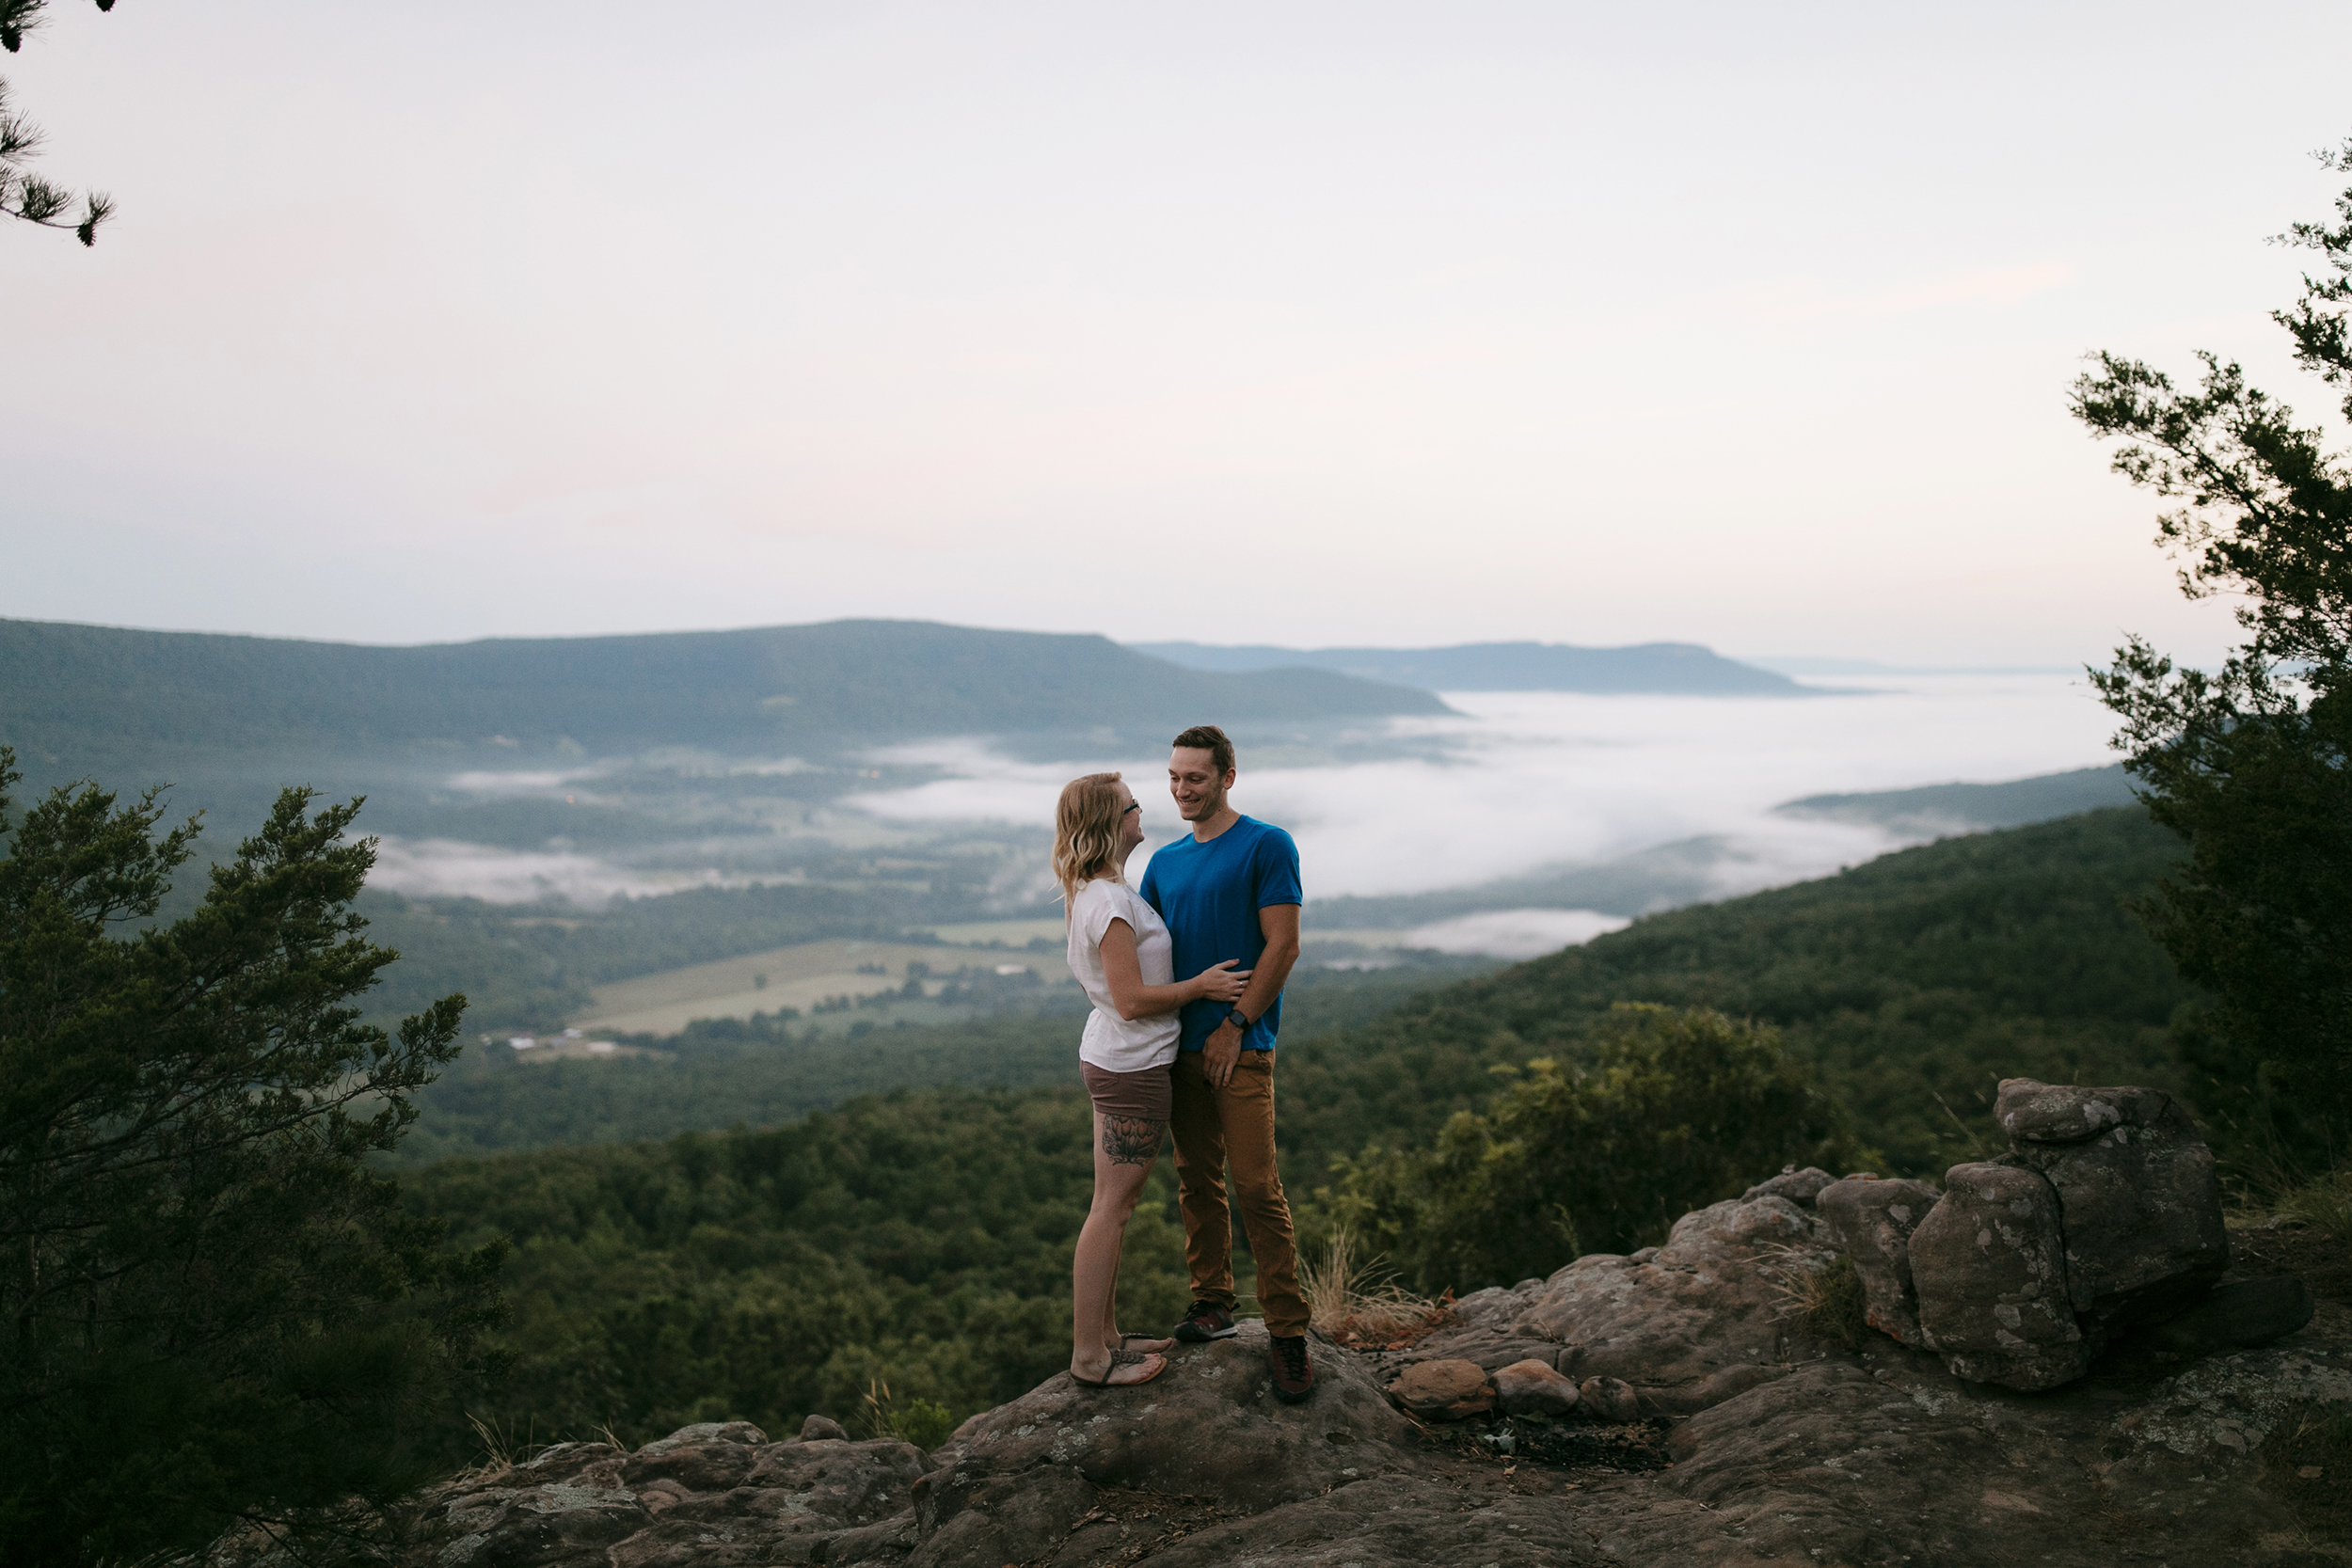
(1085, 832)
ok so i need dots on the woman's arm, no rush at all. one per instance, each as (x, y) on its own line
(1123, 973)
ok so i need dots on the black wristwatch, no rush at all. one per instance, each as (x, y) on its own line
(1239, 1020)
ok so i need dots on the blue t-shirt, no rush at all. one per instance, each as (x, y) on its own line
(1210, 896)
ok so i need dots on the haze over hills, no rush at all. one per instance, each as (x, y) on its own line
(1683, 669)
(87, 696)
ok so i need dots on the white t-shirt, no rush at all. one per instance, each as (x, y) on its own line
(1113, 1043)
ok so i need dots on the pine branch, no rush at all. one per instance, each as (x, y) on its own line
(24, 196)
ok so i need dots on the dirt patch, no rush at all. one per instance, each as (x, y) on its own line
(1127, 1526)
(2306, 1464)
(1628, 1449)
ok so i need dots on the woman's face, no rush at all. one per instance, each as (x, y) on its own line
(1130, 821)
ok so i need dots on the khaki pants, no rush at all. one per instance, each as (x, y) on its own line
(1234, 1125)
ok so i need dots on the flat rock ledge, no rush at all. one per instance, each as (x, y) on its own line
(1746, 1441)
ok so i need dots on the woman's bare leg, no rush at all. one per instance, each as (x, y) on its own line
(1124, 1149)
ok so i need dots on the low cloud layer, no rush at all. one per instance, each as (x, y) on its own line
(1515, 784)
(1525, 781)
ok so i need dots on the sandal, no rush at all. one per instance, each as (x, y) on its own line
(1123, 1358)
(1153, 1343)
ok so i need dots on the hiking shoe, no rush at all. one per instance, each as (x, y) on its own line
(1207, 1321)
(1293, 1374)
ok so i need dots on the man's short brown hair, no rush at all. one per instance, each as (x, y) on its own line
(1209, 738)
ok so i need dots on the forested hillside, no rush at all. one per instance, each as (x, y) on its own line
(922, 1236)
(764, 1071)
(1912, 982)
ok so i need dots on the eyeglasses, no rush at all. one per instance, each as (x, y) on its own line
(1133, 805)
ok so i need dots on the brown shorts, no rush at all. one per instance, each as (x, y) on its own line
(1142, 1096)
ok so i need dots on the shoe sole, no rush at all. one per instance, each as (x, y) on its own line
(1300, 1398)
(1192, 1335)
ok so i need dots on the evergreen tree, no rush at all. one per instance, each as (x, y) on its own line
(24, 195)
(2249, 764)
(216, 1313)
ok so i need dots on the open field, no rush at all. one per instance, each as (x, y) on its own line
(806, 975)
(800, 976)
(1011, 933)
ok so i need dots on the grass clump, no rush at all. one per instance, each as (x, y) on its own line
(1823, 1299)
(1357, 1302)
(2325, 1202)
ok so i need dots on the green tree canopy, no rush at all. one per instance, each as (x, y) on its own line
(1678, 1108)
(2249, 764)
(216, 1313)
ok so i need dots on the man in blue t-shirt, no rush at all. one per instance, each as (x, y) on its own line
(1230, 891)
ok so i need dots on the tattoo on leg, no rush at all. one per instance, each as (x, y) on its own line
(1132, 1140)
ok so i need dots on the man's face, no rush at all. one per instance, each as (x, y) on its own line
(1193, 779)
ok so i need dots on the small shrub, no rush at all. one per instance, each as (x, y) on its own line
(924, 1423)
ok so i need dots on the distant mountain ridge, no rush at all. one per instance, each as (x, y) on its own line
(1683, 669)
(1948, 808)
(89, 696)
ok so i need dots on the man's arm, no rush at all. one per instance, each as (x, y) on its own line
(1279, 925)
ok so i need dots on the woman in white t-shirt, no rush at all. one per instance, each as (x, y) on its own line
(1121, 953)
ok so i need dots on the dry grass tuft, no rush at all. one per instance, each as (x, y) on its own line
(2325, 1202)
(502, 1449)
(1822, 1297)
(1360, 1304)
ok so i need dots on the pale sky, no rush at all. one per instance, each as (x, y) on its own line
(1308, 324)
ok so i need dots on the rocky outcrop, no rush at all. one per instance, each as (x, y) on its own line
(1712, 1427)
(715, 1495)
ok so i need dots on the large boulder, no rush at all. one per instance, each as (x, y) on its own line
(1872, 1221)
(2137, 1190)
(2104, 1214)
(1988, 1263)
